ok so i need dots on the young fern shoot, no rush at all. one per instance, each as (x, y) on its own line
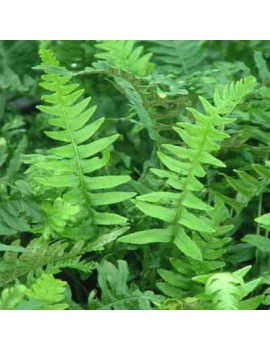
(181, 208)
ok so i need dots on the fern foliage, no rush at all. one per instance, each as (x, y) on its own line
(181, 56)
(123, 55)
(225, 291)
(46, 293)
(52, 257)
(40, 254)
(115, 292)
(68, 166)
(49, 292)
(163, 204)
(183, 210)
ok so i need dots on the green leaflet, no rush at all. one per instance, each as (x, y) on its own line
(260, 242)
(105, 218)
(159, 212)
(84, 151)
(105, 182)
(191, 221)
(148, 236)
(187, 245)
(11, 248)
(79, 136)
(174, 279)
(110, 198)
(264, 220)
(169, 290)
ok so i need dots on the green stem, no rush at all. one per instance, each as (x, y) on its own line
(259, 212)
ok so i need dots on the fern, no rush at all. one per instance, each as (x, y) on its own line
(11, 297)
(46, 293)
(58, 217)
(177, 282)
(68, 166)
(115, 293)
(127, 66)
(40, 254)
(225, 291)
(261, 65)
(179, 210)
(49, 292)
(179, 56)
(182, 157)
(248, 184)
(123, 55)
(52, 256)
(16, 215)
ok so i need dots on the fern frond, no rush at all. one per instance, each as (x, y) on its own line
(11, 297)
(38, 254)
(58, 216)
(123, 55)
(46, 293)
(69, 166)
(16, 215)
(179, 56)
(184, 211)
(115, 292)
(247, 185)
(49, 292)
(261, 65)
(226, 290)
(52, 257)
(177, 282)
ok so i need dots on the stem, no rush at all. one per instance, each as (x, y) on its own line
(259, 213)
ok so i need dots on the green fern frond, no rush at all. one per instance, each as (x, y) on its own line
(38, 254)
(115, 292)
(123, 55)
(52, 257)
(58, 216)
(16, 215)
(179, 56)
(226, 290)
(184, 211)
(177, 282)
(11, 297)
(46, 293)
(247, 185)
(69, 166)
(49, 292)
(262, 66)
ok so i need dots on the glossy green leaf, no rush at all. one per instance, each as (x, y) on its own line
(148, 236)
(187, 245)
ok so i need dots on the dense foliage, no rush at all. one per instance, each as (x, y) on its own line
(135, 175)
